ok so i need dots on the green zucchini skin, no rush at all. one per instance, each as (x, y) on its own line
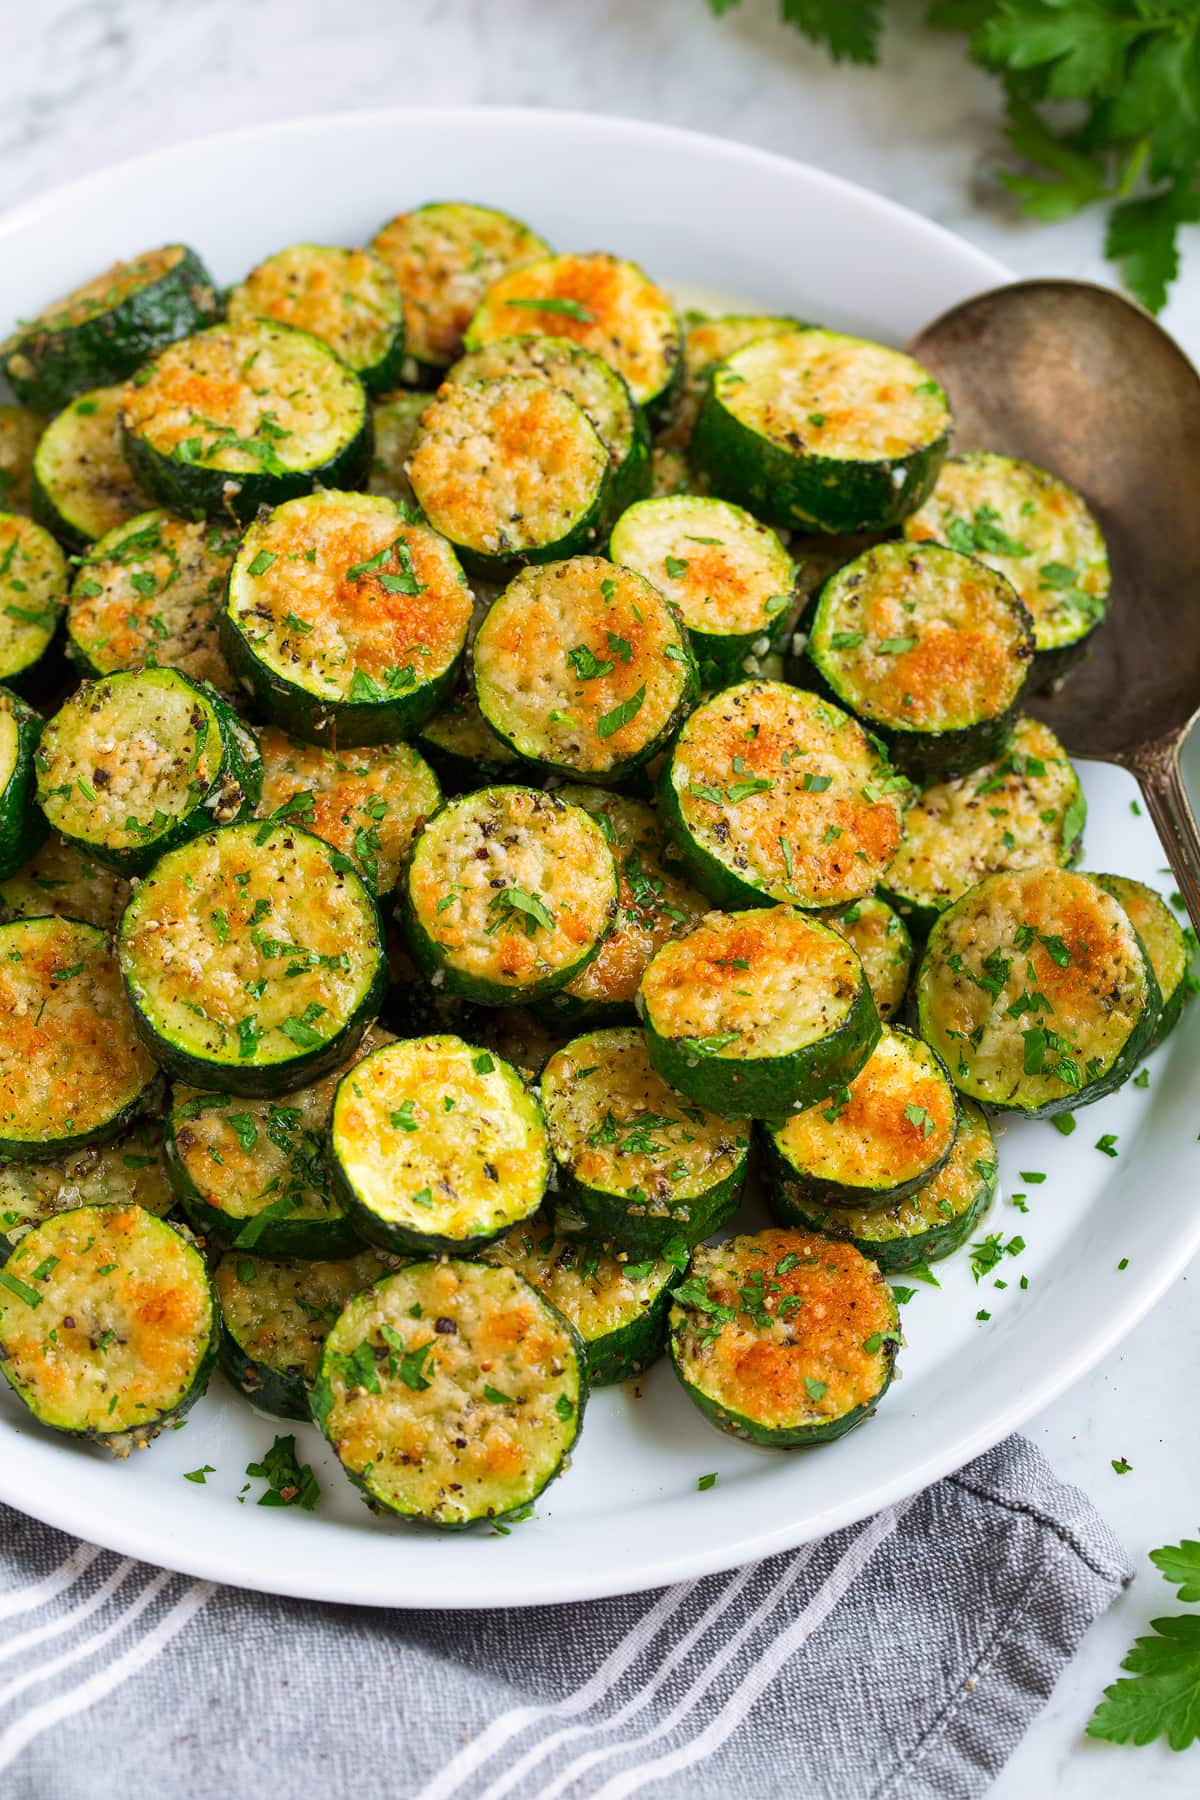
(417, 1356)
(472, 422)
(33, 585)
(57, 357)
(395, 1151)
(707, 553)
(73, 1266)
(923, 1227)
(959, 643)
(572, 850)
(274, 856)
(199, 481)
(83, 487)
(410, 576)
(1165, 943)
(593, 384)
(275, 1318)
(131, 1171)
(902, 1073)
(1035, 530)
(620, 1138)
(230, 791)
(784, 477)
(1081, 947)
(766, 1083)
(712, 1329)
(75, 1073)
(23, 827)
(622, 1318)
(350, 299)
(1028, 807)
(755, 821)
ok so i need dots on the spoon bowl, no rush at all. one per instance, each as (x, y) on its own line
(1075, 377)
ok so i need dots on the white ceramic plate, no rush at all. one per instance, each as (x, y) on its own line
(706, 216)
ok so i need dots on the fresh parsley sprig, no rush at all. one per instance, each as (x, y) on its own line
(1162, 1698)
(1103, 100)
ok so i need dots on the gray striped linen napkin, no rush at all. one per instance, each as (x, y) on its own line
(902, 1658)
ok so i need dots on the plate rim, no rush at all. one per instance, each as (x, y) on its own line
(296, 1572)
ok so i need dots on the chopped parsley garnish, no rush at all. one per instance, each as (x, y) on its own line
(290, 1482)
(514, 909)
(611, 722)
(553, 303)
(587, 665)
(704, 1482)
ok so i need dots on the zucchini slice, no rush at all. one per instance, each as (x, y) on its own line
(251, 1174)
(608, 306)
(397, 418)
(451, 1392)
(822, 432)
(655, 905)
(253, 959)
(1037, 992)
(435, 1145)
(130, 1172)
(60, 879)
(108, 1325)
(670, 474)
(510, 470)
(784, 1338)
(930, 648)
(517, 1034)
(445, 256)
(926, 1225)
(22, 827)
(151, 592)
(276, 1317)
(350, 299)
(1034, 530)
(707, 342)
(618, 1307)
(346, 619)
(1026, 809)
(33, 591)
(72, 1071)
(1164, 942)
(83, 487)
(884, 946)
(139, 762)
(583, 668)
(368, 803)
(593, 385)
(758, 1012)
(774, 792)
(20, 430)
(463, 748)
(243, 416)
(639, 1167)
(509, 894)
(730, 578)
(105, 329)
(870, 1143)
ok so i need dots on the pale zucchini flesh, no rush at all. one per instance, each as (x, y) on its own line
(83, 486)
(33, 586)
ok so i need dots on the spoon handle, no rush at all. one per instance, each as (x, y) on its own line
(1157, 769)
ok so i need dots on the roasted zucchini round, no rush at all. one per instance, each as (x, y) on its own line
(884, 947)
(350, 299)
(1037, 992)
(760, 1013)
(20, 430)
(33, 588)
(784, 1338)
(108, 1325)
(131, 1171)
(451, 1392)
(509, 894)
(254, 962)
(774, 793)
(83, 487)
(640, 1168)
(583, 668)
(22, 825)
(1166, 945)
(60, 879)
(437, 1145)
(821, 432)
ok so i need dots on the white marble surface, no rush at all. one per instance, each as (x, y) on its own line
(85, 82)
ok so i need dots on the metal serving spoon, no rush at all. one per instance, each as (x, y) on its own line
(1077, 378)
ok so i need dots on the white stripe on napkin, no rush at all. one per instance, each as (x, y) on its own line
(28, 1599)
